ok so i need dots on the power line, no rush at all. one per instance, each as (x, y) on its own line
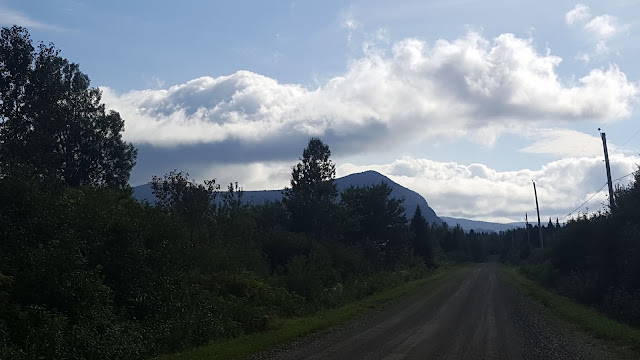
(584, 203)
(594, 194)
(622, 177)
(632, 136)
(621, 111)
(618, 114)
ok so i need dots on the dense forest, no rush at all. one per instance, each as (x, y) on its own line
(88, 272)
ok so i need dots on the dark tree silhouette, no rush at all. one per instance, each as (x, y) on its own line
(311, 198)
(422, 242)
(184, 198)
(53, 126)
(380, 220)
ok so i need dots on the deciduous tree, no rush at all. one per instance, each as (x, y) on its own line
(52, 124)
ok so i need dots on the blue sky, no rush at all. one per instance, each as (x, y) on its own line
(463, 101)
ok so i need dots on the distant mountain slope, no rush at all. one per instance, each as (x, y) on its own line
(411, 198)
(480, 226)
(367, 178)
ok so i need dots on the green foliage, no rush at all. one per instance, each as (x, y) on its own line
(422, 243)
(182, 197)
(52, 124)
(310, 199)
(596, 259)
(290, 329)
(91, 273)
(376, 222)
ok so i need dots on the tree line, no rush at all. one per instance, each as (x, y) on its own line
(88, 272)
(594, 259)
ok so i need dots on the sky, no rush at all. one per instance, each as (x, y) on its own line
(466, 102)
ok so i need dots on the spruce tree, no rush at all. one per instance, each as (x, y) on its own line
(310, 200)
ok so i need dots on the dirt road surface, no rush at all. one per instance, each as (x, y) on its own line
(471, 316)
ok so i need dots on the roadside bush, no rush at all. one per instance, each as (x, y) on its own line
(623, 305)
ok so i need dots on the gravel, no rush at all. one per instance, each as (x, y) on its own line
(543, 337)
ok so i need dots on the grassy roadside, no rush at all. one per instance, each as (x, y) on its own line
(294, 328)
(583, 317)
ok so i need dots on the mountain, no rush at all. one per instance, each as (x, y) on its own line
(481, 226)
(411, 198)
(367, 178)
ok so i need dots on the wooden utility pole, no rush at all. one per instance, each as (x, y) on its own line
(526, 219)
(606, 163)
(538, 210)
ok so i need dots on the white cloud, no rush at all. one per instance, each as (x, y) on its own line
(253, 176)
(348, 22)
(567, 143)
(478, 192)
(10, 17)
(600, 30)
(603, 26)
(415, 90)
(579, 13)
(155, 82)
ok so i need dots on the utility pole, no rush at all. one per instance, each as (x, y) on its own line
(526, 219)
(538, 210)
(606, 163)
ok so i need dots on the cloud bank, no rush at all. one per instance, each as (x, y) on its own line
(249, 128)
(468, 87)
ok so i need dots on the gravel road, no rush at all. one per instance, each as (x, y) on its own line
(472, 315)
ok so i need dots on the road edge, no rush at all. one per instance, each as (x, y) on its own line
(622, 338)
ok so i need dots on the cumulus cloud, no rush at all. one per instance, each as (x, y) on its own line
(413, 91)
(477, 191)
(600, 29)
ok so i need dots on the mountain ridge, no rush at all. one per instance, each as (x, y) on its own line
(366, 178)
(481, 226)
